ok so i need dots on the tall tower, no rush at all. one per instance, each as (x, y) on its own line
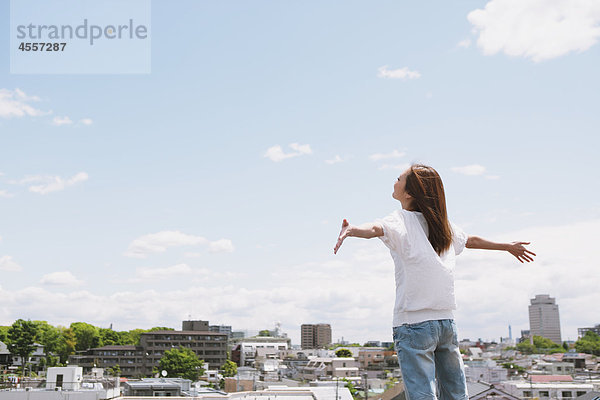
(315, 336)
(544, 319)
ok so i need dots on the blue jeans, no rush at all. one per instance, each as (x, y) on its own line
(428, 351)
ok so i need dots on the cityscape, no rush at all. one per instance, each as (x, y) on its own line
(174, 177)
(223, 361)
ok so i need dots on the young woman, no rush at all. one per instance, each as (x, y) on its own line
(424, 246)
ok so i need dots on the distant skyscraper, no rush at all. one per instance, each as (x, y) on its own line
(314, 336)
(544, 319)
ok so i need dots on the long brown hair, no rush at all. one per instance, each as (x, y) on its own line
(425, 186)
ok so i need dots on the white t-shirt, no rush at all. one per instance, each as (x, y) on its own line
(424, 280)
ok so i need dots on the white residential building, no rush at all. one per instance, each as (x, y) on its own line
(330, 367)
(486, 371)
(553, 390)
(270, 345)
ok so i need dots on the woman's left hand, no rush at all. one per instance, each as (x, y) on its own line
(518, 250)
(343, 235)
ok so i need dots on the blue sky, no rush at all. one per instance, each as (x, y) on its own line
(143, 199)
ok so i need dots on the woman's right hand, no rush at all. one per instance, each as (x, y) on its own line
(343, 235)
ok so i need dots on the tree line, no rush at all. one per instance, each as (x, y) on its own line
(60, 342)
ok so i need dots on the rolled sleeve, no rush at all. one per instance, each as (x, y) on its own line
(459, 239)
(393, 230)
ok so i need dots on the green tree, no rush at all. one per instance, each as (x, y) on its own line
(4, 333)
(343, 353)
(160, 328)
(67, 343)
(589, 343)
(114, 371)
(21, 337)
(50, 337)
(108, 337)
(264, 332)
(351, 388)
(526, 348)
(229, 369)
(87, 336)
(132, 337)
(543, 343)
(182, 363)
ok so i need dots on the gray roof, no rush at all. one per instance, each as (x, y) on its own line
(118, 347)
(589, 396)
(476, 387)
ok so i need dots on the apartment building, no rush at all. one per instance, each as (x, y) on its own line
(582, 331)
(137, 361)
(314, 336)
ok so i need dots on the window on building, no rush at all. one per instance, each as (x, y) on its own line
(580, 393)
(526, 393)
(559, 368)
(566, 393)
(544, 393)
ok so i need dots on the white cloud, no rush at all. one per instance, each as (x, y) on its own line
(159, 242)
(86, 121)
(401, 73)
(276, 153)
(385, 156)
(60, 121)
(5, 194)
(400, 167)
(173, 271)
(364, 292)
(44, 184)
(60, 278)
(536, 29)
(15, 103)
(465, 44)
(7, 264)
(471, 170)
(334, 160)
(221, 246)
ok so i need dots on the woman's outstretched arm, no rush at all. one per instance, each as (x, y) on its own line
(365, 231)
(517, 249)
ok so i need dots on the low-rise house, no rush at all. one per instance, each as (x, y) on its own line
(554, 389)
(577, 359)
(5, 357)
(486, 371)
(556, 368)
(34, 358)
(372, 357)
(65, 383)
(485, 391)
(330, 367)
